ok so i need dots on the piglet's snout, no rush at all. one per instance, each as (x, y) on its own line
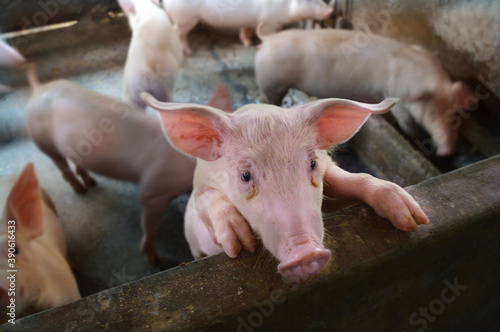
(303, 257)
(327, 13)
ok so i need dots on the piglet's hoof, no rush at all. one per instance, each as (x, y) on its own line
(91, 182)
(81, 190)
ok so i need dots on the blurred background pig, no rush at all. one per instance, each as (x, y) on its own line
(242, 14)
(9, 57)
(43, 279)
(112, 138)
(266, 165)
(327, 63)
(154, 55)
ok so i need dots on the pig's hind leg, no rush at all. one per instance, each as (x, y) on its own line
(246, 35)
(183, 29)
(88, 180)
(62, 164)
(153, 207)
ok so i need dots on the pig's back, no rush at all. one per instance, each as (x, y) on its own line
(216, 13)
(86, 126)
(332, 66)
(364, 67)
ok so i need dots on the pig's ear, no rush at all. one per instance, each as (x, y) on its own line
(221, 99)
(127, 6)
(24, 204)
(193, 129)
(337, 120)
(463, 95)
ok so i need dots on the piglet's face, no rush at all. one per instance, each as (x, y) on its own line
(270, 162)
(275, 179)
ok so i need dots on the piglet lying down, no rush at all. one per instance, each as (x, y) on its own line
(263, 168)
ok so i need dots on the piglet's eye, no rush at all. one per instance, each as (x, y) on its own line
(313, 164)
(246, 176)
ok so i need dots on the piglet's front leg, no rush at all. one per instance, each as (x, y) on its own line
(389, 200)
(227, 226)
(246, 35)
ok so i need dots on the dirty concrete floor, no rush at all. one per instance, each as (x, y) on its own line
(102, 227)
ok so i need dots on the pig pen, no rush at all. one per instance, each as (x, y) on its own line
(442, 277)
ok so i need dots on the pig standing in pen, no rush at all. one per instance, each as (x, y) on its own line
(9, 58)
(112, 138)
(33, 244)
(266, 165)
(242, 14)
(326, 63)
(154, 55)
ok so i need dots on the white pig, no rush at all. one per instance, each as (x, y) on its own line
(242, 14)
(109, 137)
(330, 63)
(267, 165)
(154, 55)
(9, 57)
(33, 244)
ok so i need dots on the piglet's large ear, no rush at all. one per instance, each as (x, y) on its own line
(337, 120)
(193, 129)
(24, 204)
(127, 6)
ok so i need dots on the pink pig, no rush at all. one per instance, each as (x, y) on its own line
(9, 57)
(330, 63)
(154, 55)
(242, 14)
(33, 244)
(262, 169)
(112, 138)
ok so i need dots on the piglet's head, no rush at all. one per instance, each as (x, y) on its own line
(44, 279)
(270, 163)
(22, 220)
